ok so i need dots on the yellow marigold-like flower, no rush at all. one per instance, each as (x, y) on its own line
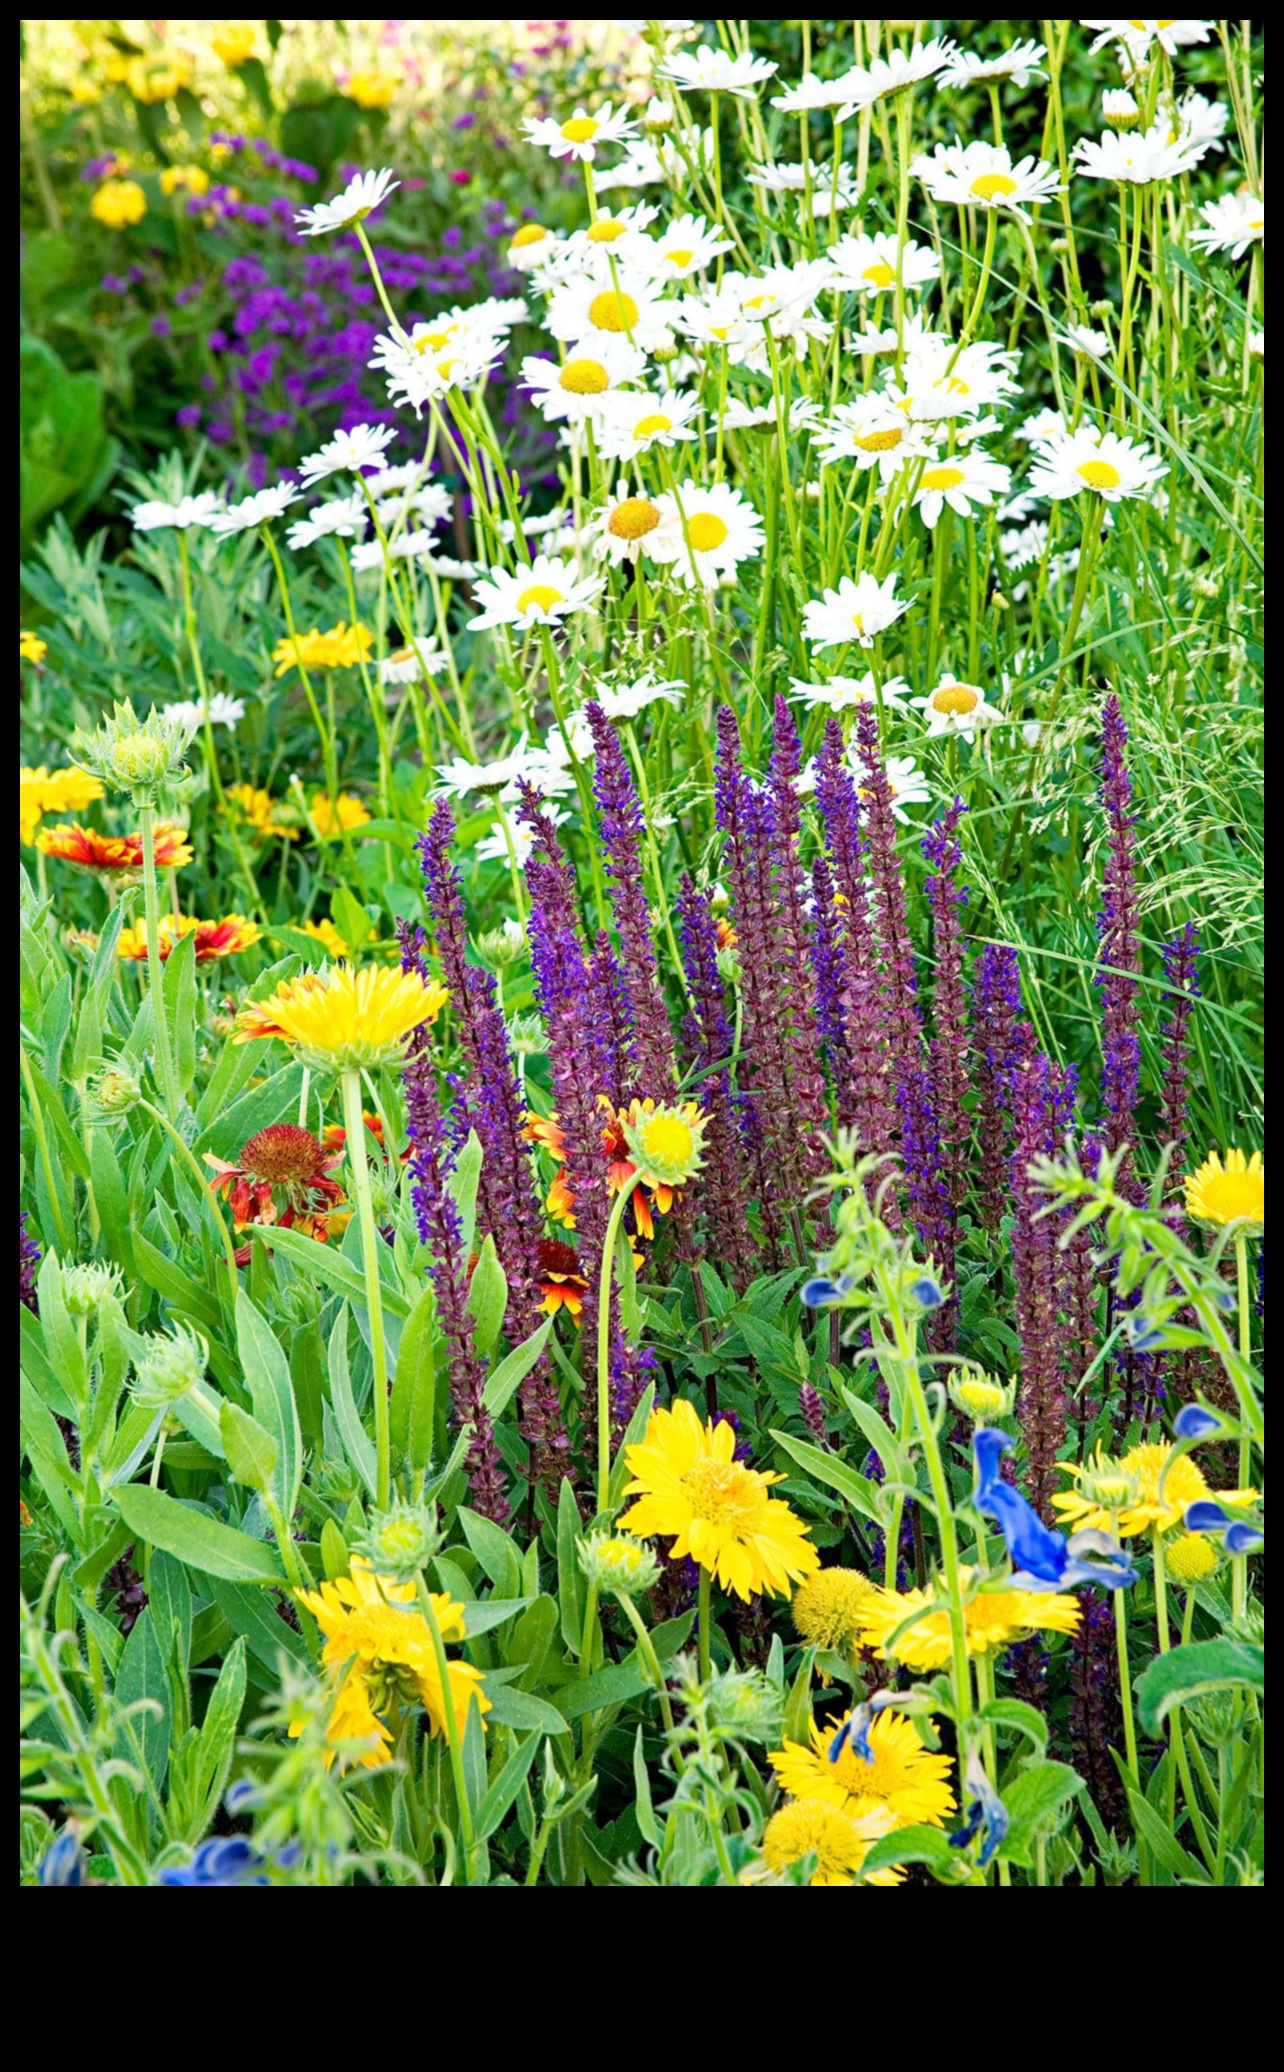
(121, 855)
(342, 1020)
(981, 1398)
(666, 1143)
(193, 178)
(992, 1618)
(688, 1485)
(1191, 1558)
(324, 931)
(34, 649)
(260, 810)
(234, 43)
(375, 1627)
(118, 203)
(42, 791)
(1138, 1474)
(826, 1608)
(1234, 1192)
(152, 80)
(214, 939)
(905, 1779)
(350, 811)
(372, 89)
(839, 1839)
(341, 648)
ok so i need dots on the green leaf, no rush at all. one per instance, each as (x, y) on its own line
(463, 1189)
(643, 1808)
(863, 1495)
(882, 1438)
(1022, 1718)
(326, 1263)
(1191, 1671)
(194, 1538)
(252, 1453)
(255, 1617)
(142, 1676)
(610, 1686)
(481, 1614)
(503, 1384)
(218, 1734)
(569, 1579)
(487, 1298)
(356, 1443)
(494, 1550)
(633, 1437)
(335, 1559)
(267, 1373)
(1162, 1842)
(1034, 1796)
(506, 1786)
(925, 1845)
(178, 985)
(512, 1708)
(414, 1387)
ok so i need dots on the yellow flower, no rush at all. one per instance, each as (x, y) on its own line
(666, 1143)
(839, 1839)
(234, 43)
(341, 1020)
(979, 1397)
(341, 648)
(1139, 1474)
(118, 203)
(904, 1779)
(192, 177)
(992, 1618)
(826, 1608)
(326, 932)
(42, 791)
(372, 89)
(688, 1485)
(34, 649)
(1230, 1193)
(376, 1628)
(260, 810)
(1190, 1558)
(350, 812)
(152, 80)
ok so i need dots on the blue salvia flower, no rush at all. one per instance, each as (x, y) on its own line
(984, 1809)
(1043, 1559)
(1195, 1422)
(1238, 1538)
(854, 1731)
(64, 1861)
(223, 1860)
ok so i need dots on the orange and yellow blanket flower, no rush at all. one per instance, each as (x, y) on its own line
(214, 939)
(115, 855)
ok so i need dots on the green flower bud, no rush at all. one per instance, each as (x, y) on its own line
(87, 1287)
(114, 1092)
(527, 1037)
(502, 946)
(400, 1541)
(131, 754)
(980, 1397)
(170, 1369)
(617, 1563)
(745, 1704)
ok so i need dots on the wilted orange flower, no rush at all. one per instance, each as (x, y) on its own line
(260, 811)
(341, 648)
(214, 939)
(121, 854)
(285, 1159)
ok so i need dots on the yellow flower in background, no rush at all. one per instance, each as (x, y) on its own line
(689, 1485)
(341, 648)
(342, 1020)
(118, 203)
(378, 1644)
(839, 1839)
(1233, 1192)
(992, 1618)
(153, 80)
(325, 932)
(34, 649)
(904, 1780)
(42, 791)
(260, 810)
(1138, 1474)
(234, 43)
(193, 178)
(372, 89)
(826, 1608)
(214, 939)
(350, 811)
(1191, 1558)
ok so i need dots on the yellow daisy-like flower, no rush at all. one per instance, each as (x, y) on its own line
(341, 648)
(840, 1840)
(118, 203)
(192, 178)
(1234, 1192)
(34, 649)
(234, 43)
(260, 810)
(666, 1143)
(325, 932)
(153, 80)
(826, 1608)
(992, 1619)
(688, 1485)
(1191, 1558)
(1139, 1472)
(376, 1627)
(905, 1779)
(342, 1020)
(350, 811)
(42, 791)
(372, 89)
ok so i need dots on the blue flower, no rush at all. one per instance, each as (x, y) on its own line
(1043, 1559)
(855, 1728)
(823, 1293)
(64, 1861)
(223, 1860)
(984, 1809)
(1194, 1422)
(927, 1292)
(1238, 1538)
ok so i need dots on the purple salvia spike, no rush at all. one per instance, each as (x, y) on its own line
(1041, 1404)
(652, 1070)
(795, 976)
(827, 964)
(721, 1189)
(949, 1046)
(996, 1012)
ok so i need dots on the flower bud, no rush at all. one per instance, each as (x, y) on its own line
(400, 1541)
(131, 754)
(115, 1091)
(980, 1397)
(1120, 109)
(171, 1367)
(87, 1287)
(615, 1562)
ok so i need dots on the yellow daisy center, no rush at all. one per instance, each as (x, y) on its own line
(606, 230)
(541, 594)
(613, 311)
(632, 520)
(858, 621)
(647, 427)
(978, 1398)
(435, 341)
(581, 129)
(1100, 474)
(529, 234)
(720, 1492)
(403, 654)
(878, 442)
(720, 331)
(942, 478)
(1191, 1557)
(584, 378)
(987, 185)
(680, 258)
(706, 531)
(880, 274)
(959, 698)
(666, 1138)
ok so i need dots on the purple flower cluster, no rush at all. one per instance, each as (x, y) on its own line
(28, 1261)
(1181, 970)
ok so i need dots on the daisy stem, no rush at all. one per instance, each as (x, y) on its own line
(207, 1193)
(650, 1660)
(207, 729)
(983, 282)
(355, 1128)
(429, 1611)
(327, 745)
(155, 968)
(375, 274)
(704, 1615)
(614, 1221)
(1239, 1562)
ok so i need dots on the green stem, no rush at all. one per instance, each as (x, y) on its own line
(650, 1659)
(448, 1714)
(188, 1156)
(155, 968)
(704, 1614)
(1239, 1563)
(355, 1128)
(614, 1221)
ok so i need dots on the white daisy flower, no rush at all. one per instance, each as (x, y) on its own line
(362, 447)
(416, 373)
(617, 233)
(155, 516)
(541, 595)
(1136, 160)
(777, 290)
(627, 700)
(636, 422)
(936, 381)
(623, 306)
(1119, 110)
(687, 247)
(223, 711)
(1087, 343)
(908, 784)
(581, 388)
(259, 509)
(403, 665)
(899, 70)
(956, 708)
(848, 693)
(431, 504)
(1138, 36)
(1114, 467)
(1018, 63)
(342, 518)
(712, 71)
(959, 480)
(868, 264)
(452, 570)
(984, 176)
(627, 525)
(1257, 344)
(530, 245)
(389, 481)
(811, 92)
(363, 194)
(793, 179)
(1039, 426)
(582, 135)
(1203, 121)
(856, 611)
(460, 778)
(1231, 224)
(1024, 544)
(873, 433)
(706, 533)
(712, 319)
(740, 416)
